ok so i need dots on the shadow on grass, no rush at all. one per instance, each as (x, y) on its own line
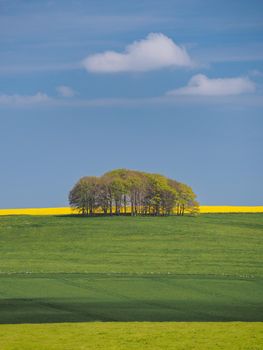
(101, 215)
(79, 216)
(69, 310)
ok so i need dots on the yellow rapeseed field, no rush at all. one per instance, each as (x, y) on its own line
(37, 211)
(230, 209)
(68, 210)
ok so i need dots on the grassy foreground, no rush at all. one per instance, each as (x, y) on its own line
(72, 269)
(69, 269)
(81, 298)
(133, 336)
(212, 244)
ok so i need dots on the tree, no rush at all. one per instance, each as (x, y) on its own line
(83, 196)
(159, 197)
(185, 198)
(139, 193)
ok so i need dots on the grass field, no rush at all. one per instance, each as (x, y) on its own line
(73, 269)
(133, 336)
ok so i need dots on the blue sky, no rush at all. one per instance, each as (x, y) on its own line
(173, 87)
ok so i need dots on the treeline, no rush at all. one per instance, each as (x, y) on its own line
(133, 193)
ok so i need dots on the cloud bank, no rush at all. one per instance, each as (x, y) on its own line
(17, 100)
(203, 86)
(65, 91)
(156, 51)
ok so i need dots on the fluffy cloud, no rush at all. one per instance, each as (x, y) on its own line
(65, 91)
(15, 100)
(155, 52)
(201, 85)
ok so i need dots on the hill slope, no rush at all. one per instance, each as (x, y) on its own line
(59, 269)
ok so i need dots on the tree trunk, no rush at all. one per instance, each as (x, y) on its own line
(125, 204)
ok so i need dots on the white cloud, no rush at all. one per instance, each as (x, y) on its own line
(256, 73)
(155, 52)
(38, 98)
(65, 91)
(201, 85)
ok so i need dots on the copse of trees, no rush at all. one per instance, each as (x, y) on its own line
(131, 192)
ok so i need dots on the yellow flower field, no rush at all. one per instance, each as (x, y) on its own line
(37, 211)
(230, 209)
(68, 210)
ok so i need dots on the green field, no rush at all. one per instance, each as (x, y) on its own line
(74, 269)
(212, 244)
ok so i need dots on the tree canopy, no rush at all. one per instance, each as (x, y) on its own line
(124, 191)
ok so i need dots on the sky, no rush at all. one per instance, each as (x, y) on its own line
(170, 87)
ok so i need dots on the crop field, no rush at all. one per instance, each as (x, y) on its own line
(126, 272)
(204, 209)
